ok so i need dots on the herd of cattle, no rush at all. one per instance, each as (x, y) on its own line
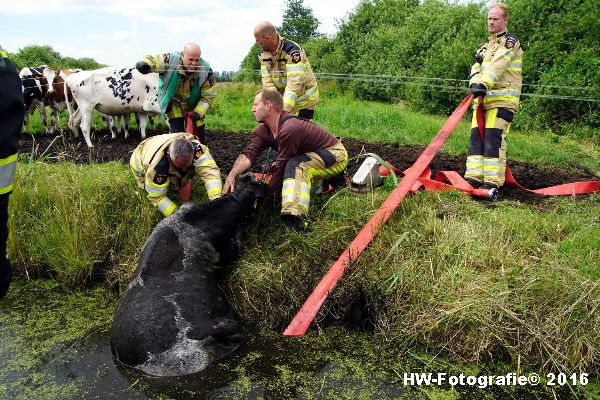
(115, 92)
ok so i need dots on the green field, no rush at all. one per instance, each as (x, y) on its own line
(503, 286)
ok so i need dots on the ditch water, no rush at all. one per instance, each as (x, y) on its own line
(54, 344)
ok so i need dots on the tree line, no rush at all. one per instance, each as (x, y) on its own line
(420, 53)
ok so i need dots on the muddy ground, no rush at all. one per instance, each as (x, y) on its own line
(225, 147)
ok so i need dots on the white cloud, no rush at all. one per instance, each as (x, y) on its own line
(223, 29)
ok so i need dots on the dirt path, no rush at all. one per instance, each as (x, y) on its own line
(225, 147)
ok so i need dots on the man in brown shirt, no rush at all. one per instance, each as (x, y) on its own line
(304, 151)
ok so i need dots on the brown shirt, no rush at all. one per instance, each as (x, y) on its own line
(295, 136)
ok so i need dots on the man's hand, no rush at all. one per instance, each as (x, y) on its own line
(185, 192)
(478, 89)
(229, 185)
(143, 67)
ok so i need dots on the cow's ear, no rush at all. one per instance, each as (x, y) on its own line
(244, 177)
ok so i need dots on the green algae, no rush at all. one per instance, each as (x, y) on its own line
(48, 334)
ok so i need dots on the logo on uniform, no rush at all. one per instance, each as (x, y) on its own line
(160, 179)
(198, 154)
(296, 57)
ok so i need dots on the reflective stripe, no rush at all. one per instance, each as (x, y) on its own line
(8, 167)
(295, 67)
(214, 187)
(211, 92)
(204, 106)
(136, 158)
(490, 162)
(516, 64)
(309, 92)
(166, 206)
(290, 96)
(204, 161)
(156, 191)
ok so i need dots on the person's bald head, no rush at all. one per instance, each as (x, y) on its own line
(266, 36)
(190, 57)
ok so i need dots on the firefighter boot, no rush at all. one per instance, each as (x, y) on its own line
(295, 222)
(6, 274)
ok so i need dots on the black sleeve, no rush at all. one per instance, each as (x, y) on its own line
(12, 108)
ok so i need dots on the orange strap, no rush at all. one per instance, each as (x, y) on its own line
(302, 320)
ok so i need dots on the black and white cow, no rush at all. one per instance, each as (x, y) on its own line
(173, 319)
(35, 90)
(112, 91)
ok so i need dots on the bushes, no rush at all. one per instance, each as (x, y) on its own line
(385, 44)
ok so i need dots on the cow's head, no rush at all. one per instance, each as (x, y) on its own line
(248, 189)
(49, 74)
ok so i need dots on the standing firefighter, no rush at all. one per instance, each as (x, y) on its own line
(304, 151)
(171, 160)
(284, 67)
(186, 85)
(496, 80)
(12, 112)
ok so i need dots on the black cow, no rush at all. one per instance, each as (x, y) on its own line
(173, 318)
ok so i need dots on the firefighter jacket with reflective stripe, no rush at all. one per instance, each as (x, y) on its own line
(12, 110)
(289, 71)
(155, 173)
(498, 65)
(193, 91)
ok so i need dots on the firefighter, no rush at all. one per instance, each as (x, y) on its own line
(284, 67)
(12, 112)
(496, 80)
(170, 161)
(304, 151)
(186, 85)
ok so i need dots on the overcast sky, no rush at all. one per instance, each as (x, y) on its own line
(120, 32)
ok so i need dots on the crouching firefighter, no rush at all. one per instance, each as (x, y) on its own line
(304, 151)
(170, 161)
(12, 112)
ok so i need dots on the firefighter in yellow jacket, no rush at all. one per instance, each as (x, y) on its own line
(170, 161)
(186, 84)
(285, 68)
(496, 80)
(12, 111)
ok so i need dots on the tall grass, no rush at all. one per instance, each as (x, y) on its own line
(447, 274)
(469, 280)
(69, 221)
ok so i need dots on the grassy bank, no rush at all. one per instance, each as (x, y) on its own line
(448, 276)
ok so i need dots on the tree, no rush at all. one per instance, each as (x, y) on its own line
(299, 24)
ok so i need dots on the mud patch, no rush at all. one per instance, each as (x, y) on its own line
(226, 146)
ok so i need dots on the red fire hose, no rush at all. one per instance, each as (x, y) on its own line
(311, 306)
(414, 177)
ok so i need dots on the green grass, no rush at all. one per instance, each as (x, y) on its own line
(448, 277)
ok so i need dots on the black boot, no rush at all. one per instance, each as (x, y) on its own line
(6, 274)
(474, 182)
(295, 223)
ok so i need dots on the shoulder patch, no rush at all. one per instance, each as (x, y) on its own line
(295, 55)
(288, 46)
(197, 151)
(511, 41)
(160, 179)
